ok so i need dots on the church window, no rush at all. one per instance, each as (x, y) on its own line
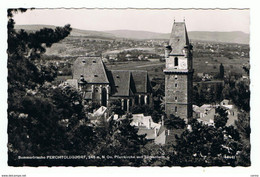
(176, 98)
(176, 77)
(176, 85)
(176, 62)
(176, 109)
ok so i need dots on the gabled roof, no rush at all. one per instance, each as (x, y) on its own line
(120, 83)
(179, 38)
(92, 69)
(141, 82)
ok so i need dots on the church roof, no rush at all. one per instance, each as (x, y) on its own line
(141, 81)
(120, 82)
(179, 38)
(92, 69)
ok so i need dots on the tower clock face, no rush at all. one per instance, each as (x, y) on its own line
(183, 64)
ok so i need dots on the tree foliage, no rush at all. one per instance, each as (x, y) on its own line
(206, 146)
(220, 118)
(174, 122)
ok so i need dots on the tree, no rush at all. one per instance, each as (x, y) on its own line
(221, 71)
(116, 140)
(40, 117)
(220, 118)
(174, 122)
(206, 146)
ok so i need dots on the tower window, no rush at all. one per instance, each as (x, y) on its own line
(176, 85)
(176, 109)
(176, 98)
(176, 62)
(176, 77)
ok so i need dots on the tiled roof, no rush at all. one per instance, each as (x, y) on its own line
(92, 69)
(140, 80)
(149, 133)
(121, 83)
(171, 137)
(179, 38)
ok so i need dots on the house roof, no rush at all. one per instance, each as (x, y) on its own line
(179, 38)
(92, 69)
(171, 137)
(73, 83)
(150, 134)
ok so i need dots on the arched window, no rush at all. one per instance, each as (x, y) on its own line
(104, 97)
(176, 62)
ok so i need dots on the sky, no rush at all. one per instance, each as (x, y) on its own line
(153, 20)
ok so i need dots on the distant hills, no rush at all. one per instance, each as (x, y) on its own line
(223, 37)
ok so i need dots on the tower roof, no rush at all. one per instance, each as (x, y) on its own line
(179, 38)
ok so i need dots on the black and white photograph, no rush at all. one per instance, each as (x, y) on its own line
(106, 88)
(128, 87)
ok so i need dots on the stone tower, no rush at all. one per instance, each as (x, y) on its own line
(178, 73)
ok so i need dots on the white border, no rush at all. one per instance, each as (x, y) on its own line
(129, 171)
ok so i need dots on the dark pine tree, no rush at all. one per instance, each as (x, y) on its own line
(221, 71)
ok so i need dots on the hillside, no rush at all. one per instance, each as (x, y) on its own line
(74, 32)
(225, 37)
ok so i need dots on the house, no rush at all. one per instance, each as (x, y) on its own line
(205, 114)
(167, 136)
(145, 126)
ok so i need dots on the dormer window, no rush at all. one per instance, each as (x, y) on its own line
(95, 75)
(83, 61)
(117, 76)
(94, 61)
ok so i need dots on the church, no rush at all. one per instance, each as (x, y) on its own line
(133, 87)
(103, 86)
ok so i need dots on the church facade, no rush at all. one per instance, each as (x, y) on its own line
(103, 86)
(178, 73)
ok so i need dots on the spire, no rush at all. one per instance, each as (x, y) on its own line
(179, 38)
